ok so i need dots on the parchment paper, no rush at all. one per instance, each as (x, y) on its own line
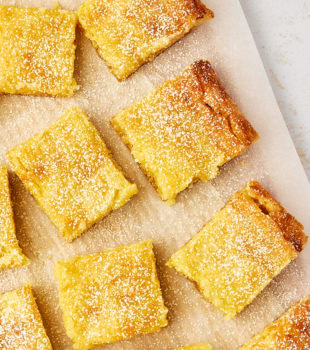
(225, 41)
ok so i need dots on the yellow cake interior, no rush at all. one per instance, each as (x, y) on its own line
(21, 325)
(71, 173)
(110, 296)
(37, 51)
(290, 331)
(10, 253)
(241, 249)
(128, 33)
(184, 130)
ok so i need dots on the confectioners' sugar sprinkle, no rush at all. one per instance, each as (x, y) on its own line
(145, 216)
(71, 174)
(184, 130)
(10, 252)
(129, 33)
(20, 322)
(289, 332)
(39, 59)
(110, 296)
(241, 249)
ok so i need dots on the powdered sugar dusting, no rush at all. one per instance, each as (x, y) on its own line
(20, 322)
(39, 59)
(226, 43)
(130, 33)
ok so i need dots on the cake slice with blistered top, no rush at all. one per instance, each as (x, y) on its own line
(71, 173)
(128, 33)
(289, 332)
(184, 130)
(10, 253)
(37, 51)
(21, 326)
(110, 296)
(244, 246)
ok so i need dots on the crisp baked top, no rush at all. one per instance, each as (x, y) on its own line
(10, 252)
(184, 130)
(127, 33)
(244, 246)
(37, 51)
(110, 296)
(290, 332)
(71, 173)
(21, 325)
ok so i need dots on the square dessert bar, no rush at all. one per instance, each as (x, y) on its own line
(203, 346)
(71, 174)
(289, 332)
(244, 246)
(110, 296)
(37, 51)
(10, 252)
(128, 33)
(21, 326)
(184, 130)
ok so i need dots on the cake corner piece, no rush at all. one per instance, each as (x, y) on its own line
(125, 35)
(256, 238)
(197, 128)
(289, 331)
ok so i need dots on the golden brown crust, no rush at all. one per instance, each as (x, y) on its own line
(217, 98)
(289, 332)
(192, 139)
(291, 228)
(21, 326)
(201, 10)
(250, 242)
(129, 33)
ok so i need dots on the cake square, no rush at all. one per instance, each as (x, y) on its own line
(37, 51)
(244, 246)
(128, 33)
(289, 332)
(203, 346)
(110, 296)
(10, 253)
(70, 172)
(184, 130)
(21, 325)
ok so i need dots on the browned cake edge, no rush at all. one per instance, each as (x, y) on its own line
(217, 99)
(23, 260)
(297, 314)
(202, 11)
(202, 14)
(210, 84)
(291, 228)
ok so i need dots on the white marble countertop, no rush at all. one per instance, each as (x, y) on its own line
(281, 30)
